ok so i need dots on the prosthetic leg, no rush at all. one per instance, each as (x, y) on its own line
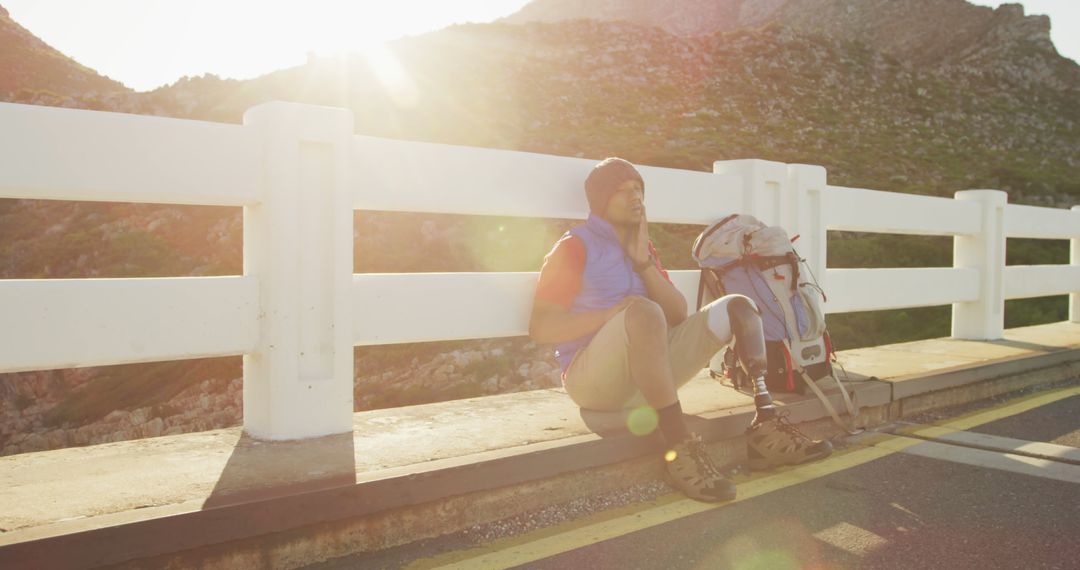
(750, 343)
(771, 440)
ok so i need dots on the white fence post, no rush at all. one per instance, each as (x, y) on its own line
(298, 243)
(983, 319)
(806, 184)
(786, 195)
(768, 194)
(763, 188)
(1074, 260)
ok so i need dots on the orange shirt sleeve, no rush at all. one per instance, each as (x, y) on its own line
(560, 276)
(656, 259)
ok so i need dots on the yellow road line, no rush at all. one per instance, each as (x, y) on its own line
(576, 534)
(1010, 408)
(580, 533)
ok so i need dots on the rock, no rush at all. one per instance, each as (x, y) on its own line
(139, 417)
(117, 416)
(35, 442)
(153, 428)
(56, 439)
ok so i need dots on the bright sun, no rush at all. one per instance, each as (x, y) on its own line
(148, 43)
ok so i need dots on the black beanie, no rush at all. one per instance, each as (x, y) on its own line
(604, 181)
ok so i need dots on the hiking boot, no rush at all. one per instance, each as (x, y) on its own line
(775, 442)
(694, 473)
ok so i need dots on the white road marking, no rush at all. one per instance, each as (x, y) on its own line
(1043, 468)
(856, 540)
(1037, 449)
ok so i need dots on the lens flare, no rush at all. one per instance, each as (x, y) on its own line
(670, 455)
(747, 552)
(387, 69)
(642, 420)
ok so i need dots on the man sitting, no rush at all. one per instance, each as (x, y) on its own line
(623, 338)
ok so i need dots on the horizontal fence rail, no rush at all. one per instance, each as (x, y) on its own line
(68, 323)
(299, 171)
(406, 176)
(419, 307)
(1042, 223)
(391, 308)
(859, 210)
(66, 154)
(1026, 281)
(851, 290)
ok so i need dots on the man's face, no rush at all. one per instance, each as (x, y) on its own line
(627, 204)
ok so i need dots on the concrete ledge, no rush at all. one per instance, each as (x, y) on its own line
(222, 499)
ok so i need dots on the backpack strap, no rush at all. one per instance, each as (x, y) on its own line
(704, 236)
(848, 404)
(709, 280)
(700, 289)
(764, 262)
(794, 260)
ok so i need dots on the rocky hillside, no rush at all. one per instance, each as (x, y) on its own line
(678, 17)
(923, 31)
(29, 67)
(926, 32)
(886, 100)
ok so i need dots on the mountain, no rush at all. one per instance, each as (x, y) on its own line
(918, 96)
(922, 31)
(594, 88)
(29, 67)
(684, 18)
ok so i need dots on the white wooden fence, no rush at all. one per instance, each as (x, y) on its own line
(297, 311)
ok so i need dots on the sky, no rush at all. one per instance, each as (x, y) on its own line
(149, 43)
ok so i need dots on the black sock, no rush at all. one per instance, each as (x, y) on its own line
(672, 424)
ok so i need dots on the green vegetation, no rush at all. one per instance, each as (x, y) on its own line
(133, 386)
(22, 402)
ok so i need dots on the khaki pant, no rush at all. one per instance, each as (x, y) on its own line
(599, 376)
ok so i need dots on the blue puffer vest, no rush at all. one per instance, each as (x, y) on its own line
(608, 277)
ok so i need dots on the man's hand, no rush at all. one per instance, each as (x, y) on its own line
(658, 288)
(637, 246)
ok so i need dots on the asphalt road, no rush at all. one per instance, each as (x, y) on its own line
(900, 511)
(924, 504)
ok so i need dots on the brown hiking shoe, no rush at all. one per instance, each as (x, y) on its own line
(777, 442)
(694, 473)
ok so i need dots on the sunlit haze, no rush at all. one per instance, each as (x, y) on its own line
(149, 43)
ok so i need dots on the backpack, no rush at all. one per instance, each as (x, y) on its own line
(740, 254)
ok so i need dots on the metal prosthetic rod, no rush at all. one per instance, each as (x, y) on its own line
(750, 344)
